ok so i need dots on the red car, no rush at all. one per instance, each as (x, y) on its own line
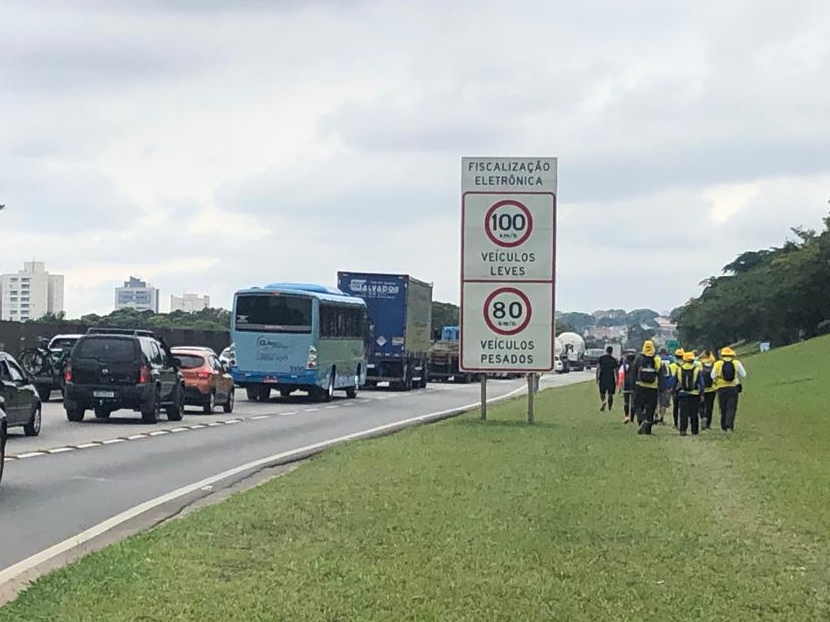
(206, 381)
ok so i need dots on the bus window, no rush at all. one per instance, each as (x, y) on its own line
(340, 321)
(274, 314)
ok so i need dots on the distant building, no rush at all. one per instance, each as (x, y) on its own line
(30, 293)
(607, 333)
(666, 330)
(189, 303)
(137, 294)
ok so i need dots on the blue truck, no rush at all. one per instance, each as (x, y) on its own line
(400, 323)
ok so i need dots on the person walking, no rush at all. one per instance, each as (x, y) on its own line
(607, 367)
(689, 380)
(647, 367)
(707, 404)
(727, 374)
(674, 365)
(626, 383)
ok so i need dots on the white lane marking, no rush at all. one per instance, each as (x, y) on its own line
(230, 421)
(61, 450)
(159, 432)
(330, 407)
(311, 410)
(179, 429)
(113, 440)
(88, 445)
(85, 536)
(198, 426)
(287, 414)
(258, 417)
(31, 454)
(135, 437)
(213, 424)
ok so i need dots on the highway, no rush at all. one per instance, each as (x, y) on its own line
(65, 483)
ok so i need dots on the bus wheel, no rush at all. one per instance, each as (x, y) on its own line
(351, 392)
(264, 393)
(252, 393)
(329, 394)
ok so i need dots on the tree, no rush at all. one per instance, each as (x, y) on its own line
(444, 314)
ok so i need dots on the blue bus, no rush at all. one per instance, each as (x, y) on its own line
(298, 337)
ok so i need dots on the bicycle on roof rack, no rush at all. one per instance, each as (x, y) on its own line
(46, 363)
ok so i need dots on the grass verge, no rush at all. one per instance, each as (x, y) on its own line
(574, 519)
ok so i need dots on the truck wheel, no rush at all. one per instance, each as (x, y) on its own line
(285, 392)
(252, 393)
(264, 393)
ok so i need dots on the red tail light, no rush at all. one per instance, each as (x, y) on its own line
(203, 375)
(67, 373)
(144, 375)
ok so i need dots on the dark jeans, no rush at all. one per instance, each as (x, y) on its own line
(645, 403)
(689, 410)
(707, 407)
(627, 406)
(675, 413)
(728, 402)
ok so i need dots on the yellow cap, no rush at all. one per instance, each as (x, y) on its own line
(727, 351)
(648, 347)
(689, 357)
(679, 352)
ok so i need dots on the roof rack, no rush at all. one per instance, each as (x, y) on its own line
(120, 331)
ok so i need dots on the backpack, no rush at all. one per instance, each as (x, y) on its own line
(728, 371)
(707, 375)
(628, 376)
(647, 374)
(687, 380)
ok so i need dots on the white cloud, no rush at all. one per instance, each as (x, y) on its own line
(209, 145)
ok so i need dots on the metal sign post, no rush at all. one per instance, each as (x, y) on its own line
(508, 252)
(483, 397)
(531, 398)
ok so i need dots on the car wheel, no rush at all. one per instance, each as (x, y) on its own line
(75, 414)
(252, 393)
(150, 409)
(228, 406)
(211, 404)
(175, 411)
(102, 412)
(44, 392)
(33, 427)
(2, 449)
(351, 392)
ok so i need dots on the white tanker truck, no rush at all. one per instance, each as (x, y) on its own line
(573, 352)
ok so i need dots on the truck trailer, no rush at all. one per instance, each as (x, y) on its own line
(400, 322)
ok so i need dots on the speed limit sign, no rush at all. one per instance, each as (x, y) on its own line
(507, 311)
(508, 222)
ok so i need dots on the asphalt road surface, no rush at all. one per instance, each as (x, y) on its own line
(75, 476)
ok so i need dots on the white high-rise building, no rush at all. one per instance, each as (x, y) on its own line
(30, 293)
(189, 303)
(137, 294)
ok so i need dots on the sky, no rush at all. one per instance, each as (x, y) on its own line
(207, 145)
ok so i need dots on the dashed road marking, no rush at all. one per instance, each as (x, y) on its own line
(179, 429)
(159, 432)
(258, 417)
(31, 454)
(88, 445)
(198, 426)
(113, 441)
(311, 410)
(135, 437)
(61, 450)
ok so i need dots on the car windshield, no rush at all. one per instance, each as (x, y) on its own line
(106, 349)
(273, 313)
(189, 361)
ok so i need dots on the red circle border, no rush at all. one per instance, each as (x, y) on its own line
(508, 290)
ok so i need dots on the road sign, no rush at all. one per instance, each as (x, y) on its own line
(508, 250)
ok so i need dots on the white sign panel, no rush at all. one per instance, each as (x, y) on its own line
(508, 251)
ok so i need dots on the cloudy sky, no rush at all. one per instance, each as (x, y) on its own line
(208, 145)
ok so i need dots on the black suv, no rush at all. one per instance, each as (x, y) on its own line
(110, 369)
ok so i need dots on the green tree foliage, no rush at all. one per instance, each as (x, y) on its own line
(564, 327)
(777, 295)
(579, 321)
(207, 319)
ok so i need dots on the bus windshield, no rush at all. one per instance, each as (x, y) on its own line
(273, 313)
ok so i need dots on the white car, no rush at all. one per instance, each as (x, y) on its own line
(228, 356)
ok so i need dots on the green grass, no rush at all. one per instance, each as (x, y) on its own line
(574, 519)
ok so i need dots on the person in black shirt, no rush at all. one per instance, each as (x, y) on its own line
(607, 378)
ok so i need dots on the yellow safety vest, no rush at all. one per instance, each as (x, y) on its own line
(695, 374)
(658, 364)
(720, 383)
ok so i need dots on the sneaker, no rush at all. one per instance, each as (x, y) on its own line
(602, 408)
(626, 420)
(682, 433)
(643, 427)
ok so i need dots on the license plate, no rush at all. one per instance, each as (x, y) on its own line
(103, 394)
(271, 381)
